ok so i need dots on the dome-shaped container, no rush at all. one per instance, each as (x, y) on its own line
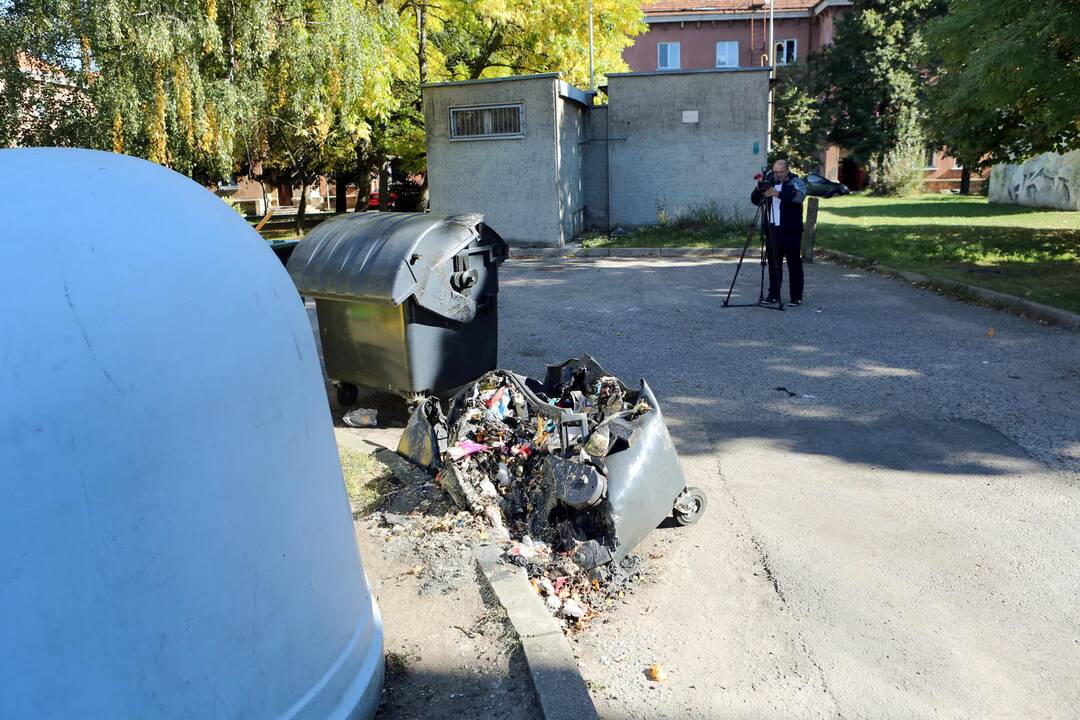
(175, 537)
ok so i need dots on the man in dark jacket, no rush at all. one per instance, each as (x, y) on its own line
(784, 216)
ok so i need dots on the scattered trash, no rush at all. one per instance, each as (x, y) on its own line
(466, 448)
(575, 471)
(656, 673)
(361, 418)
(573, 609)
(420, 441)
(991, 333)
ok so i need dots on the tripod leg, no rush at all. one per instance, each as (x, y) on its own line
(746, 246)
(764, 260)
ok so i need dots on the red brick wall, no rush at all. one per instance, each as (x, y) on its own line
(698, 39)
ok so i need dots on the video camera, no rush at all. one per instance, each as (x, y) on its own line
(765, 179)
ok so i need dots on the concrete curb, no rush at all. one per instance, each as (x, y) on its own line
(555, 675)
(1056, 316)
(575, 251)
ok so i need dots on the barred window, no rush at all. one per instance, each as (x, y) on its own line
(489, 121)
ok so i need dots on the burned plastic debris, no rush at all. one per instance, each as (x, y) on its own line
(576, 470)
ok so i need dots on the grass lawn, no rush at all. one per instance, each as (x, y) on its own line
(681, 233)
(366, 480)
(1026, 252)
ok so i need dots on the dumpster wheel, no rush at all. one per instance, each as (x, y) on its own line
(689, 506)
(347, 393)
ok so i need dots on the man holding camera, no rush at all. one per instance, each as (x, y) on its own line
(783, 192)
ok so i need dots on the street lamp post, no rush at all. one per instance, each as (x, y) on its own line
(772, 71)
(592, 75)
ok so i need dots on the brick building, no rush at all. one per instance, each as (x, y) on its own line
(685, 34)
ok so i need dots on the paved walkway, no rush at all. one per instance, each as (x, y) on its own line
(898, 538)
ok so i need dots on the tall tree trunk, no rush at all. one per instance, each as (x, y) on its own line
(363, 191)
(341, 203)
(363, 178)
(421, 41)
(384, 185)
(425, 196)
(965, 180)
(303, 206)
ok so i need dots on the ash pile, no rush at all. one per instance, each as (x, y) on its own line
(571, 474)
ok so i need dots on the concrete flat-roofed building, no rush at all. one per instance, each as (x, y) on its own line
(544, 164)
(511, 149)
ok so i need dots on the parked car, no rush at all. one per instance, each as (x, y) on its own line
(822, 186)
(373, 200)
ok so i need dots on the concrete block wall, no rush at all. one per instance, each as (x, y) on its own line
(570, 154)
(511, 181)
(596, 171)
(1049, 180)
(685, 139)
(676, 140)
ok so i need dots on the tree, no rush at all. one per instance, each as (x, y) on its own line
(203, 88)
(870, 79)
(324, 86)
(170, 81)
(796, 132)
(1006, 82)
(489, 38)
(296, 87)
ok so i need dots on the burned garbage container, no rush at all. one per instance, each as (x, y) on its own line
(581, 462)
(407, 302)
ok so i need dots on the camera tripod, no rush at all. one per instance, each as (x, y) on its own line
(769, 250)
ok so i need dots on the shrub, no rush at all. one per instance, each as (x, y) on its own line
(901, 171)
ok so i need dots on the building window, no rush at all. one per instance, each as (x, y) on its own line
(667, 56)
(727, 53)
(931, 158)
(487, 121)
(786, 52)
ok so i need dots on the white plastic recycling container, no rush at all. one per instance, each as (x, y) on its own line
(175, 536)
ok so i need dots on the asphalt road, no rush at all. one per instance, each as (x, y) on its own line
(898, 538)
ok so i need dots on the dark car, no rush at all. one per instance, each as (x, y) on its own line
(819, 185)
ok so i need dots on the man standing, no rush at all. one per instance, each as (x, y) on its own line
(784, 215)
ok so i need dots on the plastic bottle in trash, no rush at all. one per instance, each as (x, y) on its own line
(520, 407)
(504, 475)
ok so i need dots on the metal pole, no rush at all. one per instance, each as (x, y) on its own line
(772, 72)
(592, 74)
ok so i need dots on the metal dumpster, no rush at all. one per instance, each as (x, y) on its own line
(406, 302)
